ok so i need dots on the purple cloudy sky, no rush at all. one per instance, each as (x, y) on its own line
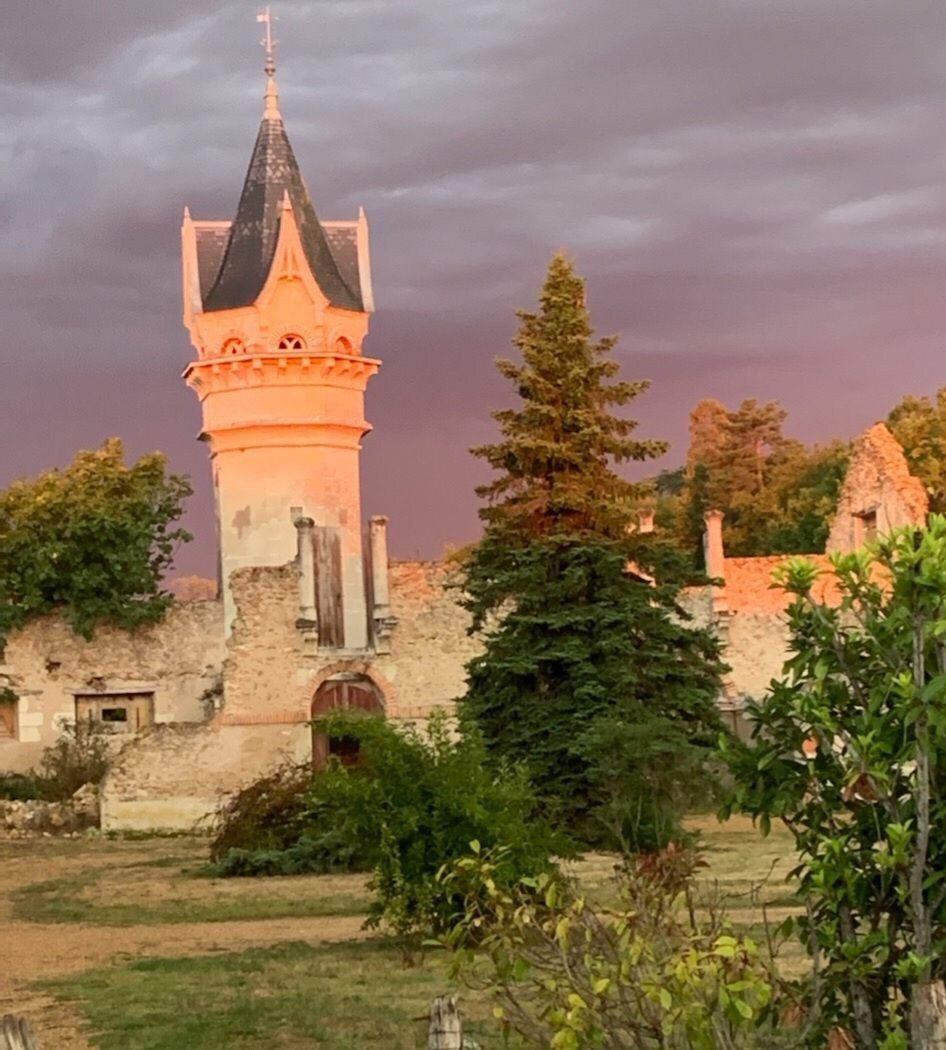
(755, 189)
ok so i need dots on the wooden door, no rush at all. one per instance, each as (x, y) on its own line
(346, 694)
(327, 544)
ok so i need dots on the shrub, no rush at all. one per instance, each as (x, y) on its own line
(665, 970)
(305, 857)
(416, 800)
(643, 777)
(264, 817)
(20, 787)
(80, 756)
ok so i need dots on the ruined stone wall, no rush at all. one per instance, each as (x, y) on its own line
(430, 646)
(266, 673)
(756, 649)
(754, 637)
(174, 776)
(879, 492)
(271, 674)
(45, 664)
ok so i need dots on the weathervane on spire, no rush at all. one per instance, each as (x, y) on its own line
(268, 18)
(272, 95)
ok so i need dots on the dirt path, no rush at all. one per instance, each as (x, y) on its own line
(31, 952)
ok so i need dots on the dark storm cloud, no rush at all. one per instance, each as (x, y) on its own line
(756, 190)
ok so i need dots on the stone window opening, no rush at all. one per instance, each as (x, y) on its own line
(9, 703)
(343, 346)
(118, 712)
(865, 526)
(349, 693)
(233, 346)
(292, 342)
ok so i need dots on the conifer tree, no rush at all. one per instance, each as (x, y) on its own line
(590, 672)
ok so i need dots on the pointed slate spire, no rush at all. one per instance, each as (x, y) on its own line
(273, 173)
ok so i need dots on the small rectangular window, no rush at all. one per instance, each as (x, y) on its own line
(121, 712)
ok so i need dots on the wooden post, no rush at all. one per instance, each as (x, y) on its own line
(445, 1031)
(16, 1033)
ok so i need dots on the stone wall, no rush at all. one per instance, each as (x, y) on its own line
(430, 647)
(175, 776)
(271, 675)
(46, 665)
(879, 492)
(32, 817)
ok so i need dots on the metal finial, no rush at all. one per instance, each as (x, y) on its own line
(268, 18)
(272, 92)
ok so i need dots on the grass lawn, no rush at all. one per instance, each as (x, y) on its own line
(351, 996)
(91, 896)
(354, 995)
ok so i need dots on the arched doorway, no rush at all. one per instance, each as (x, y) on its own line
(343, 693)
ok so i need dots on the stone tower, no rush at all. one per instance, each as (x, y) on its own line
(277, 305)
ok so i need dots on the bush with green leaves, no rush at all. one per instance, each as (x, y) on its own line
(81, 755)
(664, 970)
(20, 787)
(414, 801)
(849, 752)
(265, 816)
(420, 797)
(92, 541)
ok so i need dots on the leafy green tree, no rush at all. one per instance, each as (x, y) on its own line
(849, 751)
(793, 515)
(577, 637)
(92, 541)
(777, 495)
(919, 424)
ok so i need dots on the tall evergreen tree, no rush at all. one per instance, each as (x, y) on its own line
(590, 673)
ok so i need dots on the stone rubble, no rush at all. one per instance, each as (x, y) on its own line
(34, 818)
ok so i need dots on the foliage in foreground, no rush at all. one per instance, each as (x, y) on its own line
(662, 970)
(20, 787)
(414, 802)
(93, 541)
(580, 649)
(849, 751)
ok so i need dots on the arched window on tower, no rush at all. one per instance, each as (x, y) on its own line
(342, 346)
(292, 342)
(233, 346)
(353, 693)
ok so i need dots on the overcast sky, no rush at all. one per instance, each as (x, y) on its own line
(755, 190)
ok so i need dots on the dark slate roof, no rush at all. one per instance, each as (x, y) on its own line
(273, 171)
(342, 238)
(212, 241)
